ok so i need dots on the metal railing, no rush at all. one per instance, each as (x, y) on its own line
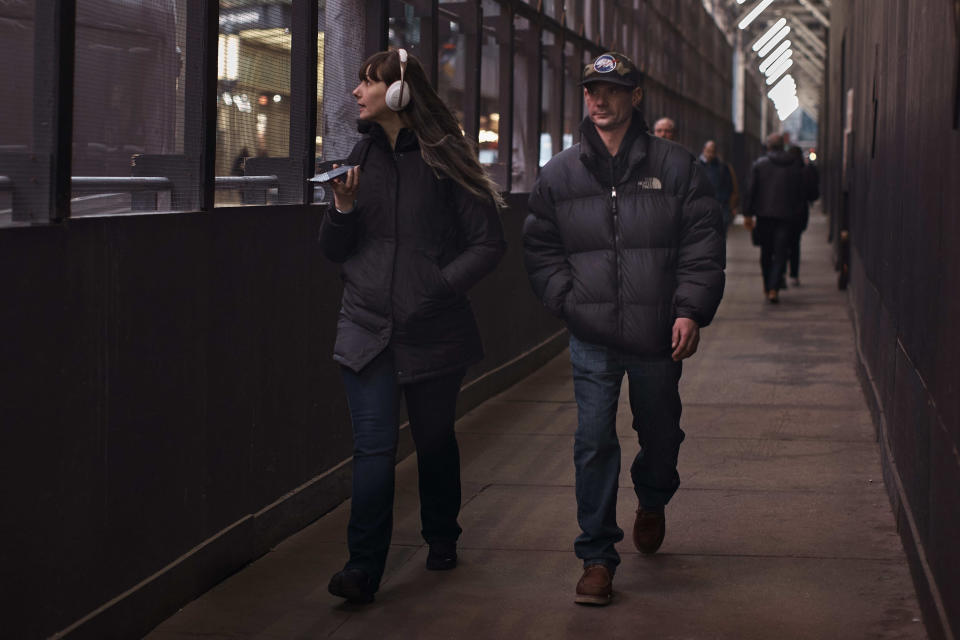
(143, 191)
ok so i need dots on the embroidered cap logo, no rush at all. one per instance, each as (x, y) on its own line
(605, 64)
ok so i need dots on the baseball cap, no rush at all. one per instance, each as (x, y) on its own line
(612, 67)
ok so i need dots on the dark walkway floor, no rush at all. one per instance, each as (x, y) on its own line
(781, 529)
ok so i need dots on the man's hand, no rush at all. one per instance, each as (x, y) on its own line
(748, 223)
(686, 338)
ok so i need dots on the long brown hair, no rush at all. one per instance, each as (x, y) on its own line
(442, 144)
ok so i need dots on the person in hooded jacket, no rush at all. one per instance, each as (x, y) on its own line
(415, 224)
(624, 241)
(777, 197)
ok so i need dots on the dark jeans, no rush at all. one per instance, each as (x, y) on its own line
(374, 398)
(795, 255)
(776, 237)
(655, 402)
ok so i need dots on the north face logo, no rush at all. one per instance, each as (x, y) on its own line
(650, 183)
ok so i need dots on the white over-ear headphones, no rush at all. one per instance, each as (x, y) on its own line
(398, 93)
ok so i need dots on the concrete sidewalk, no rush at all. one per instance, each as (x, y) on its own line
(781, 527)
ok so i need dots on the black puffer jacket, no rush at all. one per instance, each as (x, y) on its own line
(777, 187)
(411, 249)
(620, 263)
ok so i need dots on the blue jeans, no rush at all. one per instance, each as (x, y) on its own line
(374, 398)
(655, 402)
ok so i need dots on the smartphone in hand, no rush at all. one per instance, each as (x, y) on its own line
(327, 176)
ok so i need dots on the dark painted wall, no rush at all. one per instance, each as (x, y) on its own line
(166, 382)
(899, 200)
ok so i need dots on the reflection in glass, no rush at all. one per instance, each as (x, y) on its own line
(549, 98)
(405, 29)
(572, 94)
(16, 76)
(128, 79)
(451, 67)
(571, 14)
(339, 55)
(490, 104)
(526, 68)
(253, 94)
(550, 7)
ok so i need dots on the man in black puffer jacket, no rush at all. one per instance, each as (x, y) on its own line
(624, 241)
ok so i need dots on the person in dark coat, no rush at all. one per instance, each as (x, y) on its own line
(624, 241)
(414, 225)
(811, 185)
(776, 197)
(721, 177)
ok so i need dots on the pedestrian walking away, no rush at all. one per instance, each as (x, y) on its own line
(811, 185)
(415, 225)
(776, 197)
(624, 242)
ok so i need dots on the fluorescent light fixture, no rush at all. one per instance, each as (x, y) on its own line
(772, 70)
(756, 11)
(778, 70)
(784, 96)
(788, 109)
(777, 38)
(741, 1)
(772, 31)
(775, 57)
(228, 57)
(783, 89)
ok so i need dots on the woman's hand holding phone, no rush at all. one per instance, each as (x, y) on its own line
(345, 189)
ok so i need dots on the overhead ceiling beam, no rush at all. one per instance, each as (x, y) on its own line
(815, 74)
(813, 39)
(807, 54)
(798, 27)
(816, 12)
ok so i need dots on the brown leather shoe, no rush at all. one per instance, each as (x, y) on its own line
(648, 530)
(595, 586)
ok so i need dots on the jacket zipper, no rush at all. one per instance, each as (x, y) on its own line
(616, 250)
(396, 234)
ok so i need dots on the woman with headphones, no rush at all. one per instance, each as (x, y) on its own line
(414, 225)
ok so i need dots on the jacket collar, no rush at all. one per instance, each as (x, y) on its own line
(633, 148)
(406, 139)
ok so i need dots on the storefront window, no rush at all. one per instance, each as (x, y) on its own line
(573, 94)
(409, 28)
(253, 95)
(491, 91)
(551, 8)
(572, 14)
(16, 76)
(526, 71)
(451, 67)
(128, 102)
(550, 97)
(339, 56)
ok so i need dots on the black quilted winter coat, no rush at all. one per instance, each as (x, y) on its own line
(410, 250)
(621, 247)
